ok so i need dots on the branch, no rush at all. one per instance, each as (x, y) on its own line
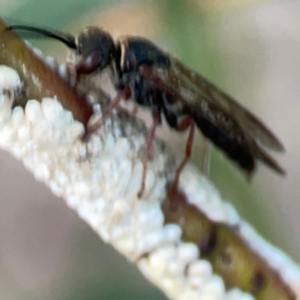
(39, 80)
(188, 242)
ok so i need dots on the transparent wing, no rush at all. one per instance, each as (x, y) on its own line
(200, 95)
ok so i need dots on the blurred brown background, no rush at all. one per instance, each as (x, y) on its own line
(249, 48)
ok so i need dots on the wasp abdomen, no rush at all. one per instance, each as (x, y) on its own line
(233, 148)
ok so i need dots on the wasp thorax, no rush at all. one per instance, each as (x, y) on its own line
(137, 51)
(96, 44)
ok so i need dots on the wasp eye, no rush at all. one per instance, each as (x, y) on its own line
(89, 64)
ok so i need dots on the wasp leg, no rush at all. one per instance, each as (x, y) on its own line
(135, 110)
(71, 70)
(125, 94)
(182, 126)
(205, 157)
(150, 137)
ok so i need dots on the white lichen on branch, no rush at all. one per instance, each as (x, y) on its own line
(100, 179)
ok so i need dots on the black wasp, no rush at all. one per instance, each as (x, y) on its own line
(162, 83)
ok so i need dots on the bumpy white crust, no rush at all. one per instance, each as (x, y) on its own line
(100, 181)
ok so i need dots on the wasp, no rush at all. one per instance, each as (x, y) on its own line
(156, 80)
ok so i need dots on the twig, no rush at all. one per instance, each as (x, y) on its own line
(39, 79)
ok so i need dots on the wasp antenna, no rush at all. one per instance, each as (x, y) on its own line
(68, 39)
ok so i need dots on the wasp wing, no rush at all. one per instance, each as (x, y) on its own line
(196, 91)
(231, 126)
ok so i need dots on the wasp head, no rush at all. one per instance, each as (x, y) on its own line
(96, 49)
(94, 46)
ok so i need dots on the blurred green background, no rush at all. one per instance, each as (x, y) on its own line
(249, 48)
